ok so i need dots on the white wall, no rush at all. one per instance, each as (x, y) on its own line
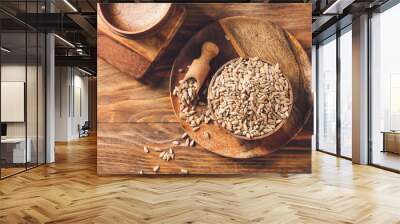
(16, 73)
(80, 109)
(61, 103)
(33, 127)
(71, 93)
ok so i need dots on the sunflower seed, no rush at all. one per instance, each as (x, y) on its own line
(156, 169)
(184, 135)
(250, 97)
(162, 154)
(175, 142)
(188, 104)
(187, 143)
(146, 149)
(165, 156)
(184, 171)
(206, 135)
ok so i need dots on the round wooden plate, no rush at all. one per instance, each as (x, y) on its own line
(134, 19)
(249, 37)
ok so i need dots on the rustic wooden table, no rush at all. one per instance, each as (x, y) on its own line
(133, 113)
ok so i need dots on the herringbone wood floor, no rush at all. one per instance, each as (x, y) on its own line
(69, 191)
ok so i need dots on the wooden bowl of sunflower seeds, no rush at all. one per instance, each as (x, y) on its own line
(250, 98)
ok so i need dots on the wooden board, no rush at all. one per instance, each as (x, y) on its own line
(129, 109)
(135, 56)
(249, 37)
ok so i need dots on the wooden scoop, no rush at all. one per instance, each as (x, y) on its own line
(200, 67)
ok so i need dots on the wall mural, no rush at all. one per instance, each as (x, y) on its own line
(204, 88)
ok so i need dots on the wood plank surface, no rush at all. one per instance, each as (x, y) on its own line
(124, 99)
(133, 113)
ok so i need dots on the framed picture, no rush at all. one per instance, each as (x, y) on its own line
(261, 51)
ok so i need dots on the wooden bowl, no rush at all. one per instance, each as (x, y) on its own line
(218, 72)
(242, 36)
(134, 20)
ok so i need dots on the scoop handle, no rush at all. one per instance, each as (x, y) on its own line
(200, 67)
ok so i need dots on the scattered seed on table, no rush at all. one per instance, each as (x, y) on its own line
(175, 142)
(156, 169)
(146, 149)
(184, 135)
(165, 156)
(196, 128)
(141, 172)
(184, 171)
(187, 143)
(162, 154)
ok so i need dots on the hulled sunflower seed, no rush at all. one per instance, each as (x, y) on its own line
(206, 135)
(187, 143)
(250, 97)
(192, 143)
(162, 154)
(165, 156)
(189, 103)
(184, 135)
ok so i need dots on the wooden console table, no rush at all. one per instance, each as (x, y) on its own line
(391, 141)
